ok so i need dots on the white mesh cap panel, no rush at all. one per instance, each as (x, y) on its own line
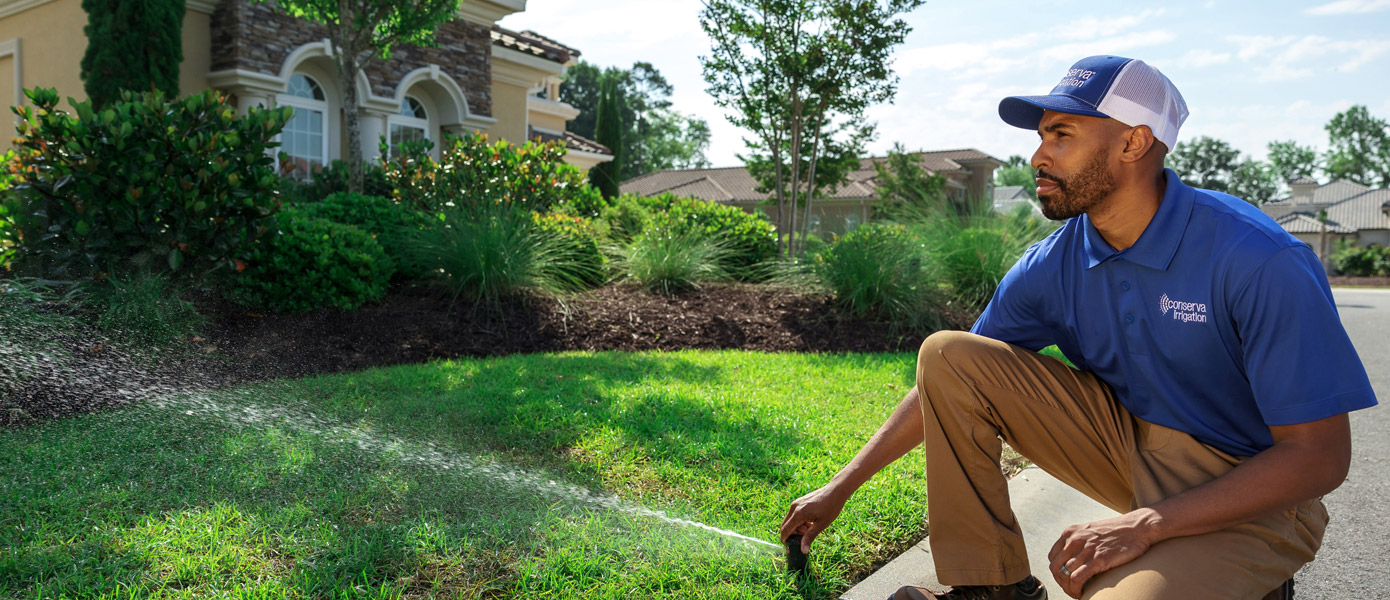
(1141, 95)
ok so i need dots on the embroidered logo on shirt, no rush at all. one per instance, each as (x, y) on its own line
(1189, 312)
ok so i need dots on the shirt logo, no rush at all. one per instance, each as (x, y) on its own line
(1187, 312)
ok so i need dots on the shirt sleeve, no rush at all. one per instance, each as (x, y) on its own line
(1013, 313)
(1301, 365)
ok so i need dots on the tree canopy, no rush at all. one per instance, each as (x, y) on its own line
(657, 136)
(1214, 164)
(1359, 147)
(1017, 171)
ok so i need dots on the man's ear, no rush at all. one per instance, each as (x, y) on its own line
(1139, 142)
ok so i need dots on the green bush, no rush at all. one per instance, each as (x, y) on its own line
(577, 239)
(489, 252)
(1363, 261)
(142, 309)
(387, 222)
(882, 270)
(307, 263)
(471, 172)
(10, 210)
(333, 179)
(146, 183)
(669, 261)
(750, 240)
(625, 219)
(975, 252)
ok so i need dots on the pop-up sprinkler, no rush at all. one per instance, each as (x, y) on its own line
(796, 559)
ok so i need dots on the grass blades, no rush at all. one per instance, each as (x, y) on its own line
(517, 477)
(669, 262)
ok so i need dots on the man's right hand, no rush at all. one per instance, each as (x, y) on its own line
(811, 514)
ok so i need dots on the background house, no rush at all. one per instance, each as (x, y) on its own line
(1007, 199)
(480, 77)
(969, 174)
(1356, 214)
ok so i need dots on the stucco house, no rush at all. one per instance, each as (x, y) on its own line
(969, 174)
(1356, 213)
(1007, 199)
(480, 77)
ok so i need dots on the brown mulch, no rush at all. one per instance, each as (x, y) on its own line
(414, 325)
(1359, 281)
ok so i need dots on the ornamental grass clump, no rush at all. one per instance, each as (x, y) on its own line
(974, 252)
(671, 261)
(142, 309)
(882, 270)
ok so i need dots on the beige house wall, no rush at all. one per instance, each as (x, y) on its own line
(509, 108)
(197, 52)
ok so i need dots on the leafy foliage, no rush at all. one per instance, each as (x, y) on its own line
(670, 260)
(974, 253)
(904, 186)
(472, 173)
(657, 137)
(881, 269)
(133, 45)
(332, 179)
(1017, 171)
(1289, 161)
(387, 222)
(181, 185)
(1214, 164)
(1359, 147)
(307, 263)
(143, 309)
(608, 130)
(749, 239)
(1363, 261)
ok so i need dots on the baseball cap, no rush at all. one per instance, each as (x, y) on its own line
(1125, 89)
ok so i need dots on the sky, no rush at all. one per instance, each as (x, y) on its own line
(1251, 71)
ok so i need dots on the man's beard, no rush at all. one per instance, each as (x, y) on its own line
(1078, 193)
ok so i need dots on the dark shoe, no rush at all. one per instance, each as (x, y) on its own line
(975, 592)
(1283, 592)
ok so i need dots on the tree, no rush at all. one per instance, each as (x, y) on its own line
(789, 69)
(1017, 171)
(1359, 147)
(906, 189)
(1290, 161)
(608, 129)
(363, 31)
(134, 45)
(840, 154)
(1214, 164)
(657, 136)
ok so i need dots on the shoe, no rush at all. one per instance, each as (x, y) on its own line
(975, 592)
(1283, 592)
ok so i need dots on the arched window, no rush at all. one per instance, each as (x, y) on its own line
(411, 124)
(305, 137)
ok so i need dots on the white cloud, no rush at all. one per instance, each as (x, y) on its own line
(1291, 57)
(1349, 7)
(1201, 57)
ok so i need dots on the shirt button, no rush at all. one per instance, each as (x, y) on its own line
(1124, 285)
(1129, 318)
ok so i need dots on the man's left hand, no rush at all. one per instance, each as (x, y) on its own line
(1090, 549)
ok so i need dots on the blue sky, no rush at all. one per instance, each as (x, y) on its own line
(1251, 71)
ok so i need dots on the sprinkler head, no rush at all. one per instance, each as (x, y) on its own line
(796, 559)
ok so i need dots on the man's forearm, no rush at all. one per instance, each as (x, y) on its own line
(897, 436)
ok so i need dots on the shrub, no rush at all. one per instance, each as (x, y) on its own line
(750, 240)
(10, 210)
(626, 219)
(882, 270)
(142, 309)
(670, 261)
(493, 251)
(472, 172)
(333, 179)
(181, 186)
(1362, 261)
(387, 222)
(307, 263)
(975, 252)
(576, 239)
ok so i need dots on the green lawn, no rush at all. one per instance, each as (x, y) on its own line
(528, 476)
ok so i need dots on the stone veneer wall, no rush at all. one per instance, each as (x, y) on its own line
(258, 37)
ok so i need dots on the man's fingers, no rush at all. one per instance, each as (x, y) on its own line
(806, 538)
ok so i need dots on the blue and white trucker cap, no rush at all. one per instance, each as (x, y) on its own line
(1124, 89)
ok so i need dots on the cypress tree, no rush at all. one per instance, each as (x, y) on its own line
(132, 45)
(608, 130)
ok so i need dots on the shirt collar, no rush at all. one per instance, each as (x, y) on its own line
(1159, 242)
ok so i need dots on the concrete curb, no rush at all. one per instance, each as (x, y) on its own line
(1044, 506)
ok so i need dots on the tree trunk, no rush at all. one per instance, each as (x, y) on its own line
(811, 182)
(348, 67)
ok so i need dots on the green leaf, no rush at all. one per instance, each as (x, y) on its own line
(175, 259)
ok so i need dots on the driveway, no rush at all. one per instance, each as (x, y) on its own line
(1356, 548)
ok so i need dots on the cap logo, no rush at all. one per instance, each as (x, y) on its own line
(1076, 77)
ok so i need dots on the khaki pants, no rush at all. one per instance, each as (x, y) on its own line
(975, 390)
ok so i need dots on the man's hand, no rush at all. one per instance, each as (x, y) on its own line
(1093, 548)
(811, 514)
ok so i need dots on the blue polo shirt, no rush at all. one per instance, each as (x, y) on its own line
(1216, 322)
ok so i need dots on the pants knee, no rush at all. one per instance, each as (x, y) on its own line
(932, 357)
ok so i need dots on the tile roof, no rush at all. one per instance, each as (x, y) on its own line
(534, 44)
(735, 184)
(1305, 223)
(570, 140)
(1348, 204)
(1009, 192)
(1303, 180)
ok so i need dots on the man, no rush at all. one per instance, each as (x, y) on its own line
(1209, 404)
